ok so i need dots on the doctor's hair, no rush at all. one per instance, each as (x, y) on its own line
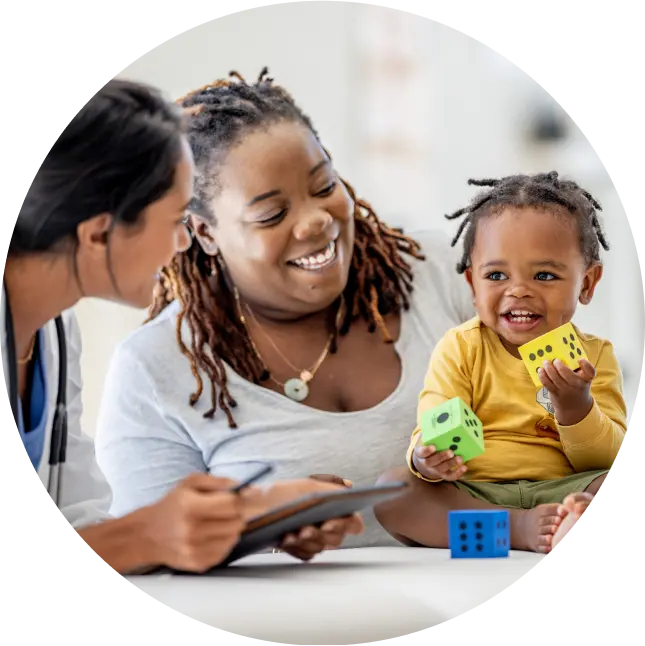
(118, 155)
(221, 114)
(544, 191)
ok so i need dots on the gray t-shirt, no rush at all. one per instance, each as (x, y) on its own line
(149, 437)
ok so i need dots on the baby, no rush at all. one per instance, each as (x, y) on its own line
(531, 253)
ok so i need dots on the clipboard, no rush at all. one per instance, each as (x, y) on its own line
(268, 529)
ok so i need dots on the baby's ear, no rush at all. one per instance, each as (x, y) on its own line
(591, 279)
(468, 274)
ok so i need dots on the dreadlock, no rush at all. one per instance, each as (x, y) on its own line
(379, 281)
(543, 190)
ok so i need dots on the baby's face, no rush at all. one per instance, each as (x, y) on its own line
(528, 273)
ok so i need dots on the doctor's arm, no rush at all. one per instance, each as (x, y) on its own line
(193, 528)
(85, 494)
(171, 512)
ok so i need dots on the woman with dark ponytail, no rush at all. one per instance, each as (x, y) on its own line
(105, 212)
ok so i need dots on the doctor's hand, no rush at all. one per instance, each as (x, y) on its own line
(327, 477)
(196, 525)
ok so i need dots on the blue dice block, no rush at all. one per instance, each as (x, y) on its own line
(479, 534)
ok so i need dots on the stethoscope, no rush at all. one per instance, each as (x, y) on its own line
(58, 446)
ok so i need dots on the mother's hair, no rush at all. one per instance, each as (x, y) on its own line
(379, 282)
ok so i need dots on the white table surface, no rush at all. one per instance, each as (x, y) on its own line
(346, 596)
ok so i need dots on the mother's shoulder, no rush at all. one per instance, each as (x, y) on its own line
(435, 279)
(155, 339)
(439, 256)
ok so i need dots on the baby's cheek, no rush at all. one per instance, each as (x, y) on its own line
(566, 313)
(489, 301)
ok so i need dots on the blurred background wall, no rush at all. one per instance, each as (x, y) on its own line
(410, 109)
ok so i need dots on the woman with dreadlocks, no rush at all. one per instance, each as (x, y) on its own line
(531, 253)
(105, 211)
(291, 317)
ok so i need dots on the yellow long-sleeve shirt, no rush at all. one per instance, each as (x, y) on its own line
(522, 439)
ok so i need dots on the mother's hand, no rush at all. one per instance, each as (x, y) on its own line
(310, 541)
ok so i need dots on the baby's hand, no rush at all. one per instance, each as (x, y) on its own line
(434, 465)
(570, 391)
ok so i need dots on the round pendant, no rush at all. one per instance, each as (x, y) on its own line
(296, 389)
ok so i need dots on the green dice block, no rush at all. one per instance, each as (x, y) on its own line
(453, 426)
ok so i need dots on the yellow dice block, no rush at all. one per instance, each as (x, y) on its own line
(562, 343)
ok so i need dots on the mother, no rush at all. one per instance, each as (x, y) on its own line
(292, 312)
(104, 212)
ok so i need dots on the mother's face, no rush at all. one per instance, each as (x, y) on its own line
(284, 222)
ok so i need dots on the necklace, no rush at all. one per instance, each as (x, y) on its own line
(296, 388)
(27, 359)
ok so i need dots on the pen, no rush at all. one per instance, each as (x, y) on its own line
(260, 473)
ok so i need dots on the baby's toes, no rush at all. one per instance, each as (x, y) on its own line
(573, 499)
(548, 525)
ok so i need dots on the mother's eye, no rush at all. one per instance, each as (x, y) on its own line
(328, 190)
(273, 219)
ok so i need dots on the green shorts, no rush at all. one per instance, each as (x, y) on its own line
(525, 494)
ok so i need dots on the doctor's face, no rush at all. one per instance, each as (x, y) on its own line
(136, 253)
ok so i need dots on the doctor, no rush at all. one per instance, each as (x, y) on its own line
(105, 212)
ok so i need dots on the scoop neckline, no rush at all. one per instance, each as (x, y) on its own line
(273, 397)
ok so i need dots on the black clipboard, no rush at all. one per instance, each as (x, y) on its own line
(268, 530)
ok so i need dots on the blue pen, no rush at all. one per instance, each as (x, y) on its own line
(260, 473)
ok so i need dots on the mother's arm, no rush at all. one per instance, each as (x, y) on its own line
(142, 451)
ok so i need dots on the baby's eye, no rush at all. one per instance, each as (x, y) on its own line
(496, 275)
(545, 275)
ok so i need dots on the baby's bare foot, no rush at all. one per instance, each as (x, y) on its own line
(575, 505)
(533, 529)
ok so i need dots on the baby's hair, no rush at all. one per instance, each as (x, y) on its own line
(544, 191)
(220, 115)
